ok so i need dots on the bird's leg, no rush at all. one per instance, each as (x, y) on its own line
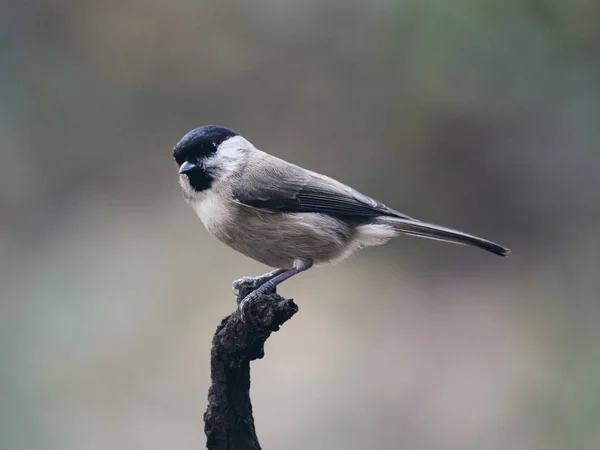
(254, 282)
(273, 282)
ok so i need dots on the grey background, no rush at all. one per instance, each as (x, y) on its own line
(479, 115)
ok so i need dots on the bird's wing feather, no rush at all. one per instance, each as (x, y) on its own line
(278, 186)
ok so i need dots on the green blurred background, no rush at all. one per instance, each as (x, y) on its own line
(480, 115)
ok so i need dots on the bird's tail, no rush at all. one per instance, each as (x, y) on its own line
(437, 232)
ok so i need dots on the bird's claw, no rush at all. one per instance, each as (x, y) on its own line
(246, 283)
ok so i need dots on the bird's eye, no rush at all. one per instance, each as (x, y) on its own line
(215, 146)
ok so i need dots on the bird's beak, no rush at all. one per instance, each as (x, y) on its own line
(187, 167)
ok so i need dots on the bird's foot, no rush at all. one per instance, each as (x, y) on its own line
(247, 284)
(249, 297)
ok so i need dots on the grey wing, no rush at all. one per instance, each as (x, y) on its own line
(275, 185)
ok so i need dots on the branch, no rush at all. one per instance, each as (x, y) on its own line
(228, 420)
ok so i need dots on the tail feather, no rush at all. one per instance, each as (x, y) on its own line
(437, 232)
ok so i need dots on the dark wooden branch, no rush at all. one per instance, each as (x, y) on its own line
(228, 421)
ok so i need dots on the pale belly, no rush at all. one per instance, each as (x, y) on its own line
(275, 239)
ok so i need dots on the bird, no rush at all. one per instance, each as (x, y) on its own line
(285, 216)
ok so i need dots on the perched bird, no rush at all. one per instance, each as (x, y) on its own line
(285, 216)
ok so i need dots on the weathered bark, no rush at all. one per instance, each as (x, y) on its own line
(228, 421)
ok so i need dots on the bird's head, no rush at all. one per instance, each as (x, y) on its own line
(203, 154)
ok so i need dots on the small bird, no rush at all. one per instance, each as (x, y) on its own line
(285, 216)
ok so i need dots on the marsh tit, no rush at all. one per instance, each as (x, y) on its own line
(285, 216)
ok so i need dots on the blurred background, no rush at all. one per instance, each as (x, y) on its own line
(479, 115)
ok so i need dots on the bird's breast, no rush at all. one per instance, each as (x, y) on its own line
(213, 210)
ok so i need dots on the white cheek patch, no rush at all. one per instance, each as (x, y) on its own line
(229, 157)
